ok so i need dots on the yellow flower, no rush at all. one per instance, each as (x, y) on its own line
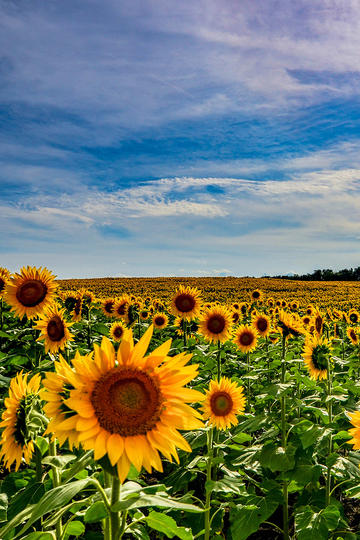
(129, 407)
(4, 279)
(316, 354)
(160, 321)
(262, 324)
(16, 439)
(355, 431)
(246, 338)
(352, 334)
(354, 316)
(256, 295)
(121, 305)
(290, 324)
(30, 292)
(107, 307)
(223, 401)
(117, 331)
(186, 303)
(215, 324)
(54, 329)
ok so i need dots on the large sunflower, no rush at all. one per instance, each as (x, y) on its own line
(120, 306)
(316, 355)
(186, 303)
(4, 279)
(262, 324)
(355, 431)
(17, 438)
(54, 329)
(290, 324)
(246, 338)
(223, 401)
(215, 324)
(56, 390)
(30, 292)
(130, 407)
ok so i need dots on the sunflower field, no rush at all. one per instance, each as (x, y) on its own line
(178, 408)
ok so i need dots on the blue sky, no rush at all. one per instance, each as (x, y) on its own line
(147, 138)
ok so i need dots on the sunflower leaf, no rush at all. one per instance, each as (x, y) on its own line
(167, 525)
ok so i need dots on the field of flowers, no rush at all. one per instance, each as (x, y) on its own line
(178, 408)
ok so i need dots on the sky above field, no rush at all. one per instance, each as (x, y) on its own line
(157, 137)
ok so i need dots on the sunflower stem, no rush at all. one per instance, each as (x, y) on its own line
(267, 358)
(185, 331)
(329, 408)
(56, 482)
(248, 373)
(114, 516)
(283, 442)
(207, 485)
(219, 361)
(38, 466)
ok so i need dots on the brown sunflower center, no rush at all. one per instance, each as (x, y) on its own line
(185, 302)
(109, 306)
(353, 335)
(256, 295)
(2, 284)
(353, 316)
(246, 338)
(318, 324)
(216, 324)
(127, 401)
(262, 324)
(121, 309)
(31, 293)
(159, 321)
(235, 317)
(118, 331)
(55, 328)
(221, 403)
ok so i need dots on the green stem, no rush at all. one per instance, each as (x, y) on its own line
(283, 442)
(184, 325)
(56, 483)
(329, 407)
(208, 480)
(248, 373)
(123, 525)
(38, 466)
(114, 516)
(219, 361)
(267, 358)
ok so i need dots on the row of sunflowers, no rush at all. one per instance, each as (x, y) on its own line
(153, 415)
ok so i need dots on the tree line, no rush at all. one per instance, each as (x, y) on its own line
(346, 274)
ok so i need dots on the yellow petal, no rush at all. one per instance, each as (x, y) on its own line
(115, 448)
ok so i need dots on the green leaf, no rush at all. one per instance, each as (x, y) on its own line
(246, 518)
(3, 506)
(310, 524)
(96, 512)
(52, 500)
(75, 528)
(277, 458)
(42, 444)
(160, 500)
(167, 525)
(37, 535)
(240, 438)
(58, 461)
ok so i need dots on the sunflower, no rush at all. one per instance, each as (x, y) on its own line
(130, 407)
(54, 329)
(77, 311)
(121, 305)
(235, 316)
(316, 355)
(318, 321)
(256, 295)
(160, 321)
(246, 338)
(117, 330)
(352, 334)
(107, 307)
(17, 438)
(56, 390)
(354, 316)
(144, 314)
(294, 305)
(306, 320)
(70, 298)
(87, 296)
(186, 303)
(4, 279)
(310, 310)
(223, 401)
(290, 324)
(355, 431)
(215, 324)
(270, 302)
(30, 292)
(262, 324)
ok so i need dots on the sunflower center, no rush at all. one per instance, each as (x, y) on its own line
(2, 284)
(262, 324)
(320, 357)
(55, 328)
(185, 302)
(216, 324)
(31, 293)
(118, 332)
(353, 335)
(127, 401)
(255, 295)
(235, 317)
(159, 320)
(353, 317)
(109, 307)
(318, 324)
(221, 404)
(121, 309)
(246, 338)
